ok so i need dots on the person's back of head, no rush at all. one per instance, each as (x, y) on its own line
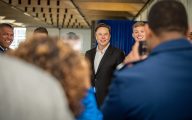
(72, 36)
(73, 40)
(40, 32)
(28, 93)
(168, 16)
(167, 20)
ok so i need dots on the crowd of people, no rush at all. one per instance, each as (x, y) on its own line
(48, 78)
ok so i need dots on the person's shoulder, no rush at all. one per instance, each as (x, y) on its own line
(91, 50)
(123, 65)
(116, 50)
(132, 70)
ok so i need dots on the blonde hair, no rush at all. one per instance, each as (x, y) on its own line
(138, 24)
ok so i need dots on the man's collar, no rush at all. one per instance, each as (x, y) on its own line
(3, 49)
(177, 44)
(104, 49)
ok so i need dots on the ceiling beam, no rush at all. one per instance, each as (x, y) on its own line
(143, 8)
(111, 1)
(131, 7)
(81, 13)
(107, 13)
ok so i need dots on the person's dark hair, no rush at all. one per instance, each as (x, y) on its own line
(41, 30)
(5, 25)
(72, 36)
(103, 25)
(166, 16)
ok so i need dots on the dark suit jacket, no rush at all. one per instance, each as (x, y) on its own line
(102, 79)
(1, 49)
(159, 88)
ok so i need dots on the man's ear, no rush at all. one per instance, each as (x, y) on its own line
(96, 36)
(148, 32)
(152, 39)
(189, 31)
(133, 35)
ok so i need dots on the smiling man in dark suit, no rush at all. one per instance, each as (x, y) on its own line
(104, 58)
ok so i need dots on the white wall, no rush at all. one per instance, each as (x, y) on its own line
(188, 6)
(85, 35)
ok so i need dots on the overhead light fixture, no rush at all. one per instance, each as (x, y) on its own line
(36, 18)
(2, 17)
(17, 24)
(13, 7)
(27, 14)
(7, 21)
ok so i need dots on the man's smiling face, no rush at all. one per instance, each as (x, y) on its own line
(139, 33)
(6, 37)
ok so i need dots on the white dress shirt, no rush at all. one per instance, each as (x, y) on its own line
(98, 57)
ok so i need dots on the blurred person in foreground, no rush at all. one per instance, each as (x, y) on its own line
(66, 65)
(28, 93)
(6, 36)
(139, 35)
(91, 111)
(158, 88)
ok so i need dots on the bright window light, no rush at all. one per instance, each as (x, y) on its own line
(19, 36)
(18, 24)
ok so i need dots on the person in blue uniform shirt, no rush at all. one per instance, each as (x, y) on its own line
(158, 88)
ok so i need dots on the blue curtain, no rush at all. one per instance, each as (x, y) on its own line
(121, 34)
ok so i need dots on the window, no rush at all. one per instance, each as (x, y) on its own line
(19, 36)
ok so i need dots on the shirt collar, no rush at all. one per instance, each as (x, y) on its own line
(3, 49)
(102, 51)
(171, 45)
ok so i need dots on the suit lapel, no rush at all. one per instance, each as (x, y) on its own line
(105, 57)
(92, 59)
